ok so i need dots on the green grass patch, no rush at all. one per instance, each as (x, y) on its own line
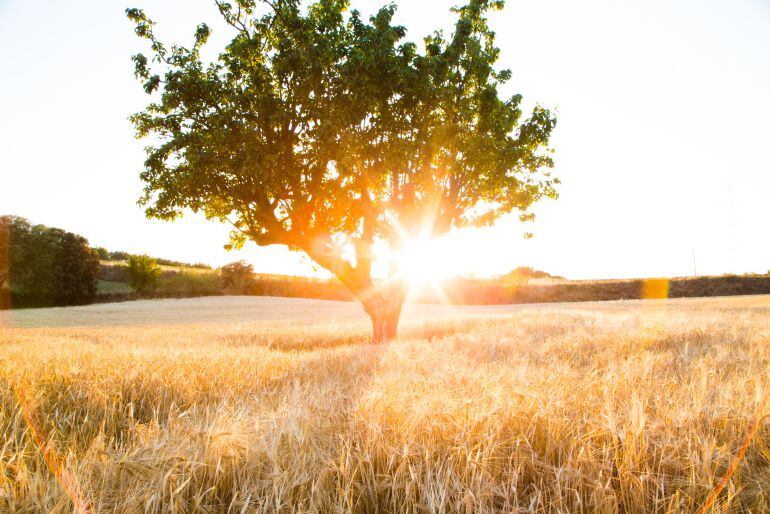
(110, 287)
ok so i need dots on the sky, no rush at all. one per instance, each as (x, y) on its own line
(662, 142)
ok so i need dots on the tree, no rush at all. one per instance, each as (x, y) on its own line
(334, 136)
(41, 265)
(119, 256)
(102, 252)
(5, 265)
(143, 273)
(30, 257)
(237, 277)
(77, 270)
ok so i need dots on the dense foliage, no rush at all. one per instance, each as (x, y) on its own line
(103, 253)
(41, 265)
(143, 273)
(330, 134)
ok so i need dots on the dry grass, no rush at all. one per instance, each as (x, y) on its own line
(622, 407)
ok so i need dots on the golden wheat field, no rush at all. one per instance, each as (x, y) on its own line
(618, 407)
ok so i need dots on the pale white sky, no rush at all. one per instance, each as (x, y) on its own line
(662, 143)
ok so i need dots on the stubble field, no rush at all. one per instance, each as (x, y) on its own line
(626, 407)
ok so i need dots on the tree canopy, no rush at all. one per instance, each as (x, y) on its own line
(320, 130)
(40, 265)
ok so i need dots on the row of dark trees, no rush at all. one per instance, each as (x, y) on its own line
(44, 266)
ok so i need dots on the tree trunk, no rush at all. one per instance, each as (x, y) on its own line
(382, 302)
(384, 311)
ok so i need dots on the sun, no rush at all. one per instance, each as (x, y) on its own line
(425, 262)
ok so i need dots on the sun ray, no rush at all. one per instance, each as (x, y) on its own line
(422, 263)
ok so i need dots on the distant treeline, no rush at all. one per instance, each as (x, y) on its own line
(106, 255)
(524, 274)
(143, 277)
(523, 285)
(236, 278)
(44, 266)
(509, 290)
(501, 291)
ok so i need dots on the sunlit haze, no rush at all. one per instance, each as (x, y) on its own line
(661, 143)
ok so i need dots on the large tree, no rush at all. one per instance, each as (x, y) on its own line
(332, 135)
(41, 265)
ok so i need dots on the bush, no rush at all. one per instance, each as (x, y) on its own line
(143, 273)
(237, 277)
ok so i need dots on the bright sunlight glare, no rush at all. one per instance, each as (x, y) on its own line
(426, 262)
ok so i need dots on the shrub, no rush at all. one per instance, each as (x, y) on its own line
(237, 277)
(143, 273)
